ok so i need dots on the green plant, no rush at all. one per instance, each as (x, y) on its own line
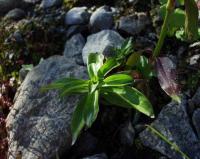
(116, 89)
(182, 24)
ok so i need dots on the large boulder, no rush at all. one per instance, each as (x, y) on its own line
(77, 16)
(39, 123)
(74, 46)
(102, 42)
(133, 24)
(15, 14)
(102, 19)
(174, 123)
(7, 5)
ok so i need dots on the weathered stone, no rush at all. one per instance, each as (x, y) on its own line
(50, 3)
(74, 46)
(133, 24)
(98, 156)
(7, 5)
(77, 15)
(39, 123)
(101, 19)
(102, 42)
(196, 121)
(15, 14)
(196, 98)
(173, 122)
(127, 134)
(75, 29)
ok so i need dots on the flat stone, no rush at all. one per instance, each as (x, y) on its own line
(74, 46)
(76, 16)
(39, 123)
(174, 123)
(102, 42)
(101, 19)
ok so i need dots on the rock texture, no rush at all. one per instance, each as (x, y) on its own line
(15, 14)
(7, 5)
(74, 46)
(102, 42)
(133, 24)
(39, 123)
(50, 3)
(98, 156)
(101, 19)
(173, 122)
(76, 16)
(196, 121)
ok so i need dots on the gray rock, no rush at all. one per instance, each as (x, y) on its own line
(98, 156)
(74, 46)
(76, 16)
(15, 14)
(102, 42)
(75, 29)
(101, 19)
(50, 3)
(32, 1)
(196, 121)
(133, 24)
(39, 123)
(22, 74)
(196, 98)
(194, 60)
(173, 122)
(127, 134)
(7, 5)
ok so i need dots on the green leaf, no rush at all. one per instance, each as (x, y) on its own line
(181, 2)
(191, 20)
(118, 80)
(108, 66)
(77, 123)
(133, 58)
(95, 61)
(125, 50)
(76, 88)
(92, 108)
(64, 83)
(28, 67)
(144, 67)
(176, 20)
(128, 97)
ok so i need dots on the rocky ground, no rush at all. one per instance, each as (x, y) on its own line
(44, 40)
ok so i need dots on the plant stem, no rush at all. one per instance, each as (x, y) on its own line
(173, 145)
(163, 33)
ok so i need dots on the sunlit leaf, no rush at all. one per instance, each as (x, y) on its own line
(95, 61)
(108, 66)
(166, 73)
(117, 80)
(128, 97)
(65, 83)
(77, 123)
(144, 67)
(91, 108)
